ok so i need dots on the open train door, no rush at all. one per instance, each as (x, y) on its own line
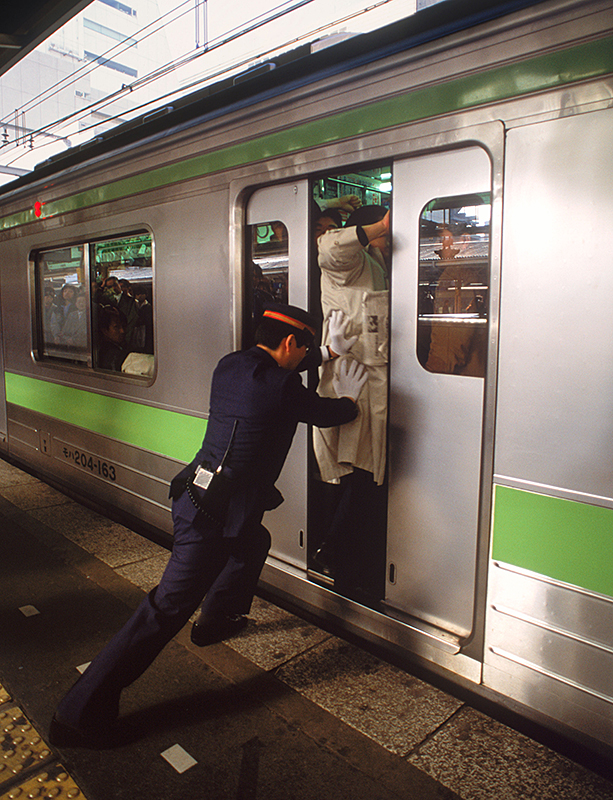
(441, 321)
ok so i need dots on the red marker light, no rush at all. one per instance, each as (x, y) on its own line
(38, 209)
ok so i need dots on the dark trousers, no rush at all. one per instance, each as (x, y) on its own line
(202, 562)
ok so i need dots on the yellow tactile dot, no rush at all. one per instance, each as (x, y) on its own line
(4, 695)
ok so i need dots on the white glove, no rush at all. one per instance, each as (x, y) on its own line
(337, 327)
(349, 379)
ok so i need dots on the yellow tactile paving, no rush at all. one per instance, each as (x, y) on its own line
(22, 746)
(54, 783)
(24, 752)
(4, 695)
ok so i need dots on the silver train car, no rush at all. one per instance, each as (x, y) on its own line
(490, 140)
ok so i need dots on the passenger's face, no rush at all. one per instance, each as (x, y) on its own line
(115, 332)
(68, 294)
(383, 243)
(112, 286)
(323, 225)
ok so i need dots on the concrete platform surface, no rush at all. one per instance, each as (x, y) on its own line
(285, 710)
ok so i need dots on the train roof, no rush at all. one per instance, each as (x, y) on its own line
(290, 70)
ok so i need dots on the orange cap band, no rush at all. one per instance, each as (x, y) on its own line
(289, 321)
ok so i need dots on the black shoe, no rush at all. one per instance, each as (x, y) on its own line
(204, 633)
(101, 738)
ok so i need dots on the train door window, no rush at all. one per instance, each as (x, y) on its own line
(454, 243)
(122, 304)
(63, 300)
(347, 487)
(268, 270)
(94, 304)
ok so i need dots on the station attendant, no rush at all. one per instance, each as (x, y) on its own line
(220, 545)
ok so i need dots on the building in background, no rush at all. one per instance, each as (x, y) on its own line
(117, 59)
(79, 74)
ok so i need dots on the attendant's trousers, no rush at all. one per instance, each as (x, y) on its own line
(202, 561)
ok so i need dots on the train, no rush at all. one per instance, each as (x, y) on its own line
(486, 130)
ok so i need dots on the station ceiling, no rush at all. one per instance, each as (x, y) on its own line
(24, 24)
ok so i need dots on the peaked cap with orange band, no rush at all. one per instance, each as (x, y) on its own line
(292, 316)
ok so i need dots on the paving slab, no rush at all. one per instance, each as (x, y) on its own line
(481, 758)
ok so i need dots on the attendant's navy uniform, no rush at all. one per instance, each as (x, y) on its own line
(266, 401)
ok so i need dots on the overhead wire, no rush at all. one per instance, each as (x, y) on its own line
(253, 24)
(172, 66)
(91, 66)
(132, 41)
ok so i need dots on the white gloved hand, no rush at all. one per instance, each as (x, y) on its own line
(350, 379)
(337, 327)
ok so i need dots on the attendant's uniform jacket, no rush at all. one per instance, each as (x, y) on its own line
(351, 273)
(267, 402)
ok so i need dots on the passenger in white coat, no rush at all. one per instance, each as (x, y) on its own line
(355, 281)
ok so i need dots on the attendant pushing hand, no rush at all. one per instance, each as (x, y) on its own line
(350, 379)
(340, 344)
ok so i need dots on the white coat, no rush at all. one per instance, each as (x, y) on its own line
(354, 279)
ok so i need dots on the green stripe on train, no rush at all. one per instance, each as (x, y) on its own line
(158, 430)
(581, 62)
(562, 539)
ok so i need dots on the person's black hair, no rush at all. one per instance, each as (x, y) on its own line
(366, 215)
(108, 313)
(271, 332)
(332, 213)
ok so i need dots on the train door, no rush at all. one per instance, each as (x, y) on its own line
(439, 337)
(277, 260)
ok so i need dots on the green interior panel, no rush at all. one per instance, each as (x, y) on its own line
(158, 430)
(563, 539)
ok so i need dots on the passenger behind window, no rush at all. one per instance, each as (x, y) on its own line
(143, 332)
(49, 311)
(126, 287)
(112, 346)
(74, 332)
(114, 296)
(65, 304)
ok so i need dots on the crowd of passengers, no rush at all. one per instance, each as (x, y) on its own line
(121, 317)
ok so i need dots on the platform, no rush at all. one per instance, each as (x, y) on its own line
(285, 710)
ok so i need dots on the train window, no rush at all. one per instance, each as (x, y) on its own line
(95, 304)
(269, 267)
(454, 243)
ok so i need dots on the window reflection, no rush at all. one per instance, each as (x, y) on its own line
(64, 304)
(454, 285)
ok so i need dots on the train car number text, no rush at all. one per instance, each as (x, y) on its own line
(91, 463)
